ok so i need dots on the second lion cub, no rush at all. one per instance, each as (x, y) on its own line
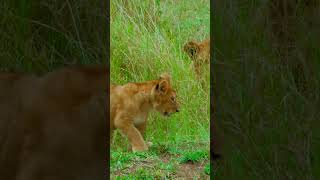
(131, 103)
(199, 52)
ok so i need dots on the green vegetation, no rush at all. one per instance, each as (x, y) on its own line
(266, 79)
(194, 156)
(184, 162)
(41, 36)
(146, 40)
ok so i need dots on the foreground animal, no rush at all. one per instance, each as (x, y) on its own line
(199, 52)
(132, 102)
(54, 126)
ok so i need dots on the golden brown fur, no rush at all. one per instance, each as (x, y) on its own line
(53, 127)
(132, 102)
(199, 52)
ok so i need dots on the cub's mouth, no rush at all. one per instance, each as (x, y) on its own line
(169, 113)
(166, 114)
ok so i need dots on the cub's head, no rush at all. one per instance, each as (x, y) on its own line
(164, 96)
(198, 50)
(192, 49)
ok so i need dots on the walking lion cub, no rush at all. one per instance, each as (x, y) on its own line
(131, 103)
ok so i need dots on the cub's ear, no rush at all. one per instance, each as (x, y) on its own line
(162, 86)
(191, 48)
(165, 76)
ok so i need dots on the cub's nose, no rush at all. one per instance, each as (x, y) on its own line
(177, 110)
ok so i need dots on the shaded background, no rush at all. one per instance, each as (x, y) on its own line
(37, 36)
(41, 35)
(266, 87)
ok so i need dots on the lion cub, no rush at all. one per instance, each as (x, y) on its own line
(132, 102)
(199, 52)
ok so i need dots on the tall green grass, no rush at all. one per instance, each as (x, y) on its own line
(146, 40)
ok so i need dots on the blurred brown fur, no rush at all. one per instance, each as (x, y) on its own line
(54, 127)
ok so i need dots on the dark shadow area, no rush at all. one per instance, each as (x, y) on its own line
(266, 88)
(54, 86)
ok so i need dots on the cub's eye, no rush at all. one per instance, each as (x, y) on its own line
(173, 99)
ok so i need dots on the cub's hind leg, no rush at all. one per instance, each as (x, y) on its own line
(142, 129)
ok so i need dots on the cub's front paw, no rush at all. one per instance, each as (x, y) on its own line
(139, 149)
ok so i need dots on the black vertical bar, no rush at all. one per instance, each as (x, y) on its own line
(108, 90)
